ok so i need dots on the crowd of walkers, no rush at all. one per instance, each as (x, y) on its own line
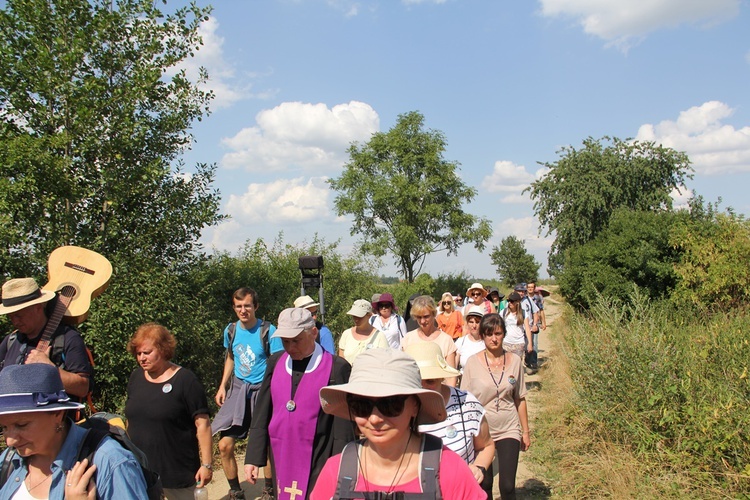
(420, 405)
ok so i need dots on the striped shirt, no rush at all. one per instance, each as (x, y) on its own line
(462, 423)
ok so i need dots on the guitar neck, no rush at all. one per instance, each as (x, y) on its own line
(63, 301)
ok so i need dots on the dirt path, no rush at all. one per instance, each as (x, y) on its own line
(528, 483)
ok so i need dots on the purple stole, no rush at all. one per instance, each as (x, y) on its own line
(292, 432)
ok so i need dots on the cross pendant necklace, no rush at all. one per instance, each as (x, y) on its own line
(498, 382)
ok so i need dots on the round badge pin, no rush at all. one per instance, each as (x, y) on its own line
(512, 380)
(291, 405)
(166, 388)
(451, 431)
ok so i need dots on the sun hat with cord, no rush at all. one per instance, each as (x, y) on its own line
(22, 292)
(305, 301)
(34, 387)
(380, 373)
(430, 360)
(476, 286)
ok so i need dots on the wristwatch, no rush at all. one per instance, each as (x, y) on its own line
(208, 466)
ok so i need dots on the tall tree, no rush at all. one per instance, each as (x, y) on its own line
(91, 130)
(578, 195)
(513, 262)
(406, 199)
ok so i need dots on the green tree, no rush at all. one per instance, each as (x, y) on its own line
(634, 250)
(514, 264)
(713, 269)
(91, 132)
(578, 195)
(94, 119)
(406, 199)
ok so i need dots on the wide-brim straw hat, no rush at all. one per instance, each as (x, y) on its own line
(544, 292)
(476, 286)
(32, 388)
(22, 292)
(379, 373)
(430, 360)
(305, 301)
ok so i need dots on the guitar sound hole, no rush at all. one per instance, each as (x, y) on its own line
(68, 291)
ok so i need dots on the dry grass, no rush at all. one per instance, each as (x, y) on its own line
(574, 457)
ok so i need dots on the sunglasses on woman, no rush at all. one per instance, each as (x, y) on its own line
(447, 303)
(389, 407)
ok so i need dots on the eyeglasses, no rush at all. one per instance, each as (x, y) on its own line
(476, 294)
(384, 305)
(389, 407)
(314, 313)
(447, 303)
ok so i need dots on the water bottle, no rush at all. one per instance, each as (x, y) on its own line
(200, 493)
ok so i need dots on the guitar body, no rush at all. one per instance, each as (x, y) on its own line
(80, 275)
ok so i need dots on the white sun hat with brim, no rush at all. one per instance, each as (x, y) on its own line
(32, 388)
(430, 360)
(476, 286)
(22, 292)
(475, 311)
(380, 373)
(360, 308)
(304, 302)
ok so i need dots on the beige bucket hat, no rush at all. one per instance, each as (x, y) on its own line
(379, 373)
(430, 360)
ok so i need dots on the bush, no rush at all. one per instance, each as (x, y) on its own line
(668, 383)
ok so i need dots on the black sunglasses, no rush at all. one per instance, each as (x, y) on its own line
(389, 407)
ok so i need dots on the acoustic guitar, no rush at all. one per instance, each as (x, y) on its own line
(78, 275)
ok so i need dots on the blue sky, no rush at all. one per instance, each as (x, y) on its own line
(508, 83)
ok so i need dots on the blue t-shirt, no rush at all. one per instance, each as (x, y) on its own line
(249, 355)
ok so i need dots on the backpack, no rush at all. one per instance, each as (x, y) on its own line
(264, 327)
(399, 322)
(98, 426)
(429, 473)
(57, 356)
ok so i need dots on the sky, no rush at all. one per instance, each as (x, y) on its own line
(508, 83)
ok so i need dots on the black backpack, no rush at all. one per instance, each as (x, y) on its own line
(99, 426)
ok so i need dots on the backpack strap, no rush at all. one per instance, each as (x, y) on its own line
(265, 326)
(5, 345)
(432, 449)
(7, 466)
(348, 471)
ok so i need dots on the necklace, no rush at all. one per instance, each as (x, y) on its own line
(396, 476)
(28, 482)
(498, 382)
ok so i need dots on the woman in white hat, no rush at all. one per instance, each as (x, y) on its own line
(477, 296)
(496, 378)
(465, 429)
(471, 343)
(43, 443)
(362, 335)
(385, 397)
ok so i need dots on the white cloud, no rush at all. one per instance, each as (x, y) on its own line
(507, 177)
(221, 74)
(623, 23)
(302, 135)
(681, 197)
(283, 201)
(713, 147)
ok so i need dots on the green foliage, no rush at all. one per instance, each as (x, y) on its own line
(713, 269)
(671, 384)
(581, 191)
(454, 283)
(91, 125)
(633, 250)
(513, 262)
(405, 198)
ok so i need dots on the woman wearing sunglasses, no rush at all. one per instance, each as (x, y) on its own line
(386, 319)
(385, 398)
(495, 376)
(477, 296)
(449, 319)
